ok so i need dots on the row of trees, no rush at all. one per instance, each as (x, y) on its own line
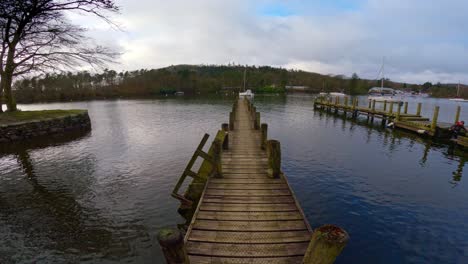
(36, 36)
(189, 79)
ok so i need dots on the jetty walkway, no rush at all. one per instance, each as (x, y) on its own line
(246, 211)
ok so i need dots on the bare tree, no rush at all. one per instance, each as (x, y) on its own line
(37, 37)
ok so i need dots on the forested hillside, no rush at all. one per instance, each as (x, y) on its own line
(190, 79)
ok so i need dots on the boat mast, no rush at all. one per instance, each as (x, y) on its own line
(458, 89)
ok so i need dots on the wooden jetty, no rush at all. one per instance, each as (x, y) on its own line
(390, 113)
(246, 211)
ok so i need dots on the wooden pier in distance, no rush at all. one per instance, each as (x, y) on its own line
(390, 113)
(247, 212)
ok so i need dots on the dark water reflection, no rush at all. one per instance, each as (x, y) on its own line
(101, 197)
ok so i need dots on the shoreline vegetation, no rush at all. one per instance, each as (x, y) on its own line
(9, 118)
(200, 80)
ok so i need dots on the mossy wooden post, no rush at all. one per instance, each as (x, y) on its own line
(274, 158)
(457, 114)
(370, 103)
(264, 129)
(418, 110)
(355, 105)
(172, 245)
(373, 110)
(231, 121)
(326, 244)
(435, 116)
(345, 105)
(225, 128)
(390, 111)
(217, 145)
(406, 108)
(398, 112)
(257, 120)
(337, 102)
(385, 105)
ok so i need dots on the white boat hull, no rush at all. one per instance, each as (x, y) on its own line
(386, 98)
(247, 93)
(458, 100)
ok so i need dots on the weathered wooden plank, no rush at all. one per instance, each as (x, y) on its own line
(250, 237)
(244, 170)
(245, 181)
(248, 199)
(244, 260)
(247, 207)
(245, 175)
(245, 216)
(289, 225)
(252, 186)
(247, 192)
(246, 250)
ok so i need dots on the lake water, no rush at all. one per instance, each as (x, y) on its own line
(101, 197)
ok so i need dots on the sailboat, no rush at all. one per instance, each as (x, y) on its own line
(245, 93)
(384, 94)
(458, 98)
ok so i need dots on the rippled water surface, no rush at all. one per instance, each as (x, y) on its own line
(101, 197)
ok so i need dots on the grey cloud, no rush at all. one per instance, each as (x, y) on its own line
(422, 40)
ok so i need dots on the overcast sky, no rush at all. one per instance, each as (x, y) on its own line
(421, 40)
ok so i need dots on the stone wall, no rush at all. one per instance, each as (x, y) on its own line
(31, 129)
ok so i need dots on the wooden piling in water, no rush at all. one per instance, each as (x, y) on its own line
(217, 167)
(385, 105)
(398, 114)
(326, 244)
(435, 117)
(172, 245)
(264, 130)
(390, 111)
(418, 110)
(457, 114)
(231, 120)
(370, 103)
(257, 120)
(225, 128)
(273, 149)
(406, 108)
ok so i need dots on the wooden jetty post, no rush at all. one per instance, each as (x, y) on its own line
(406, 108)
(418, 109)
(373, 110)
(225, 128)
(337, 102)
(231, 120)
(345, 105)
(398, 114)
(172, 245)
(385, 105)
(257, 120)
(355, 105)
(390, 111)
(274, 158)
(435, 117)
(370, 103)
(457, 114)
(264, 129)
(326, 244)
(217, 168)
